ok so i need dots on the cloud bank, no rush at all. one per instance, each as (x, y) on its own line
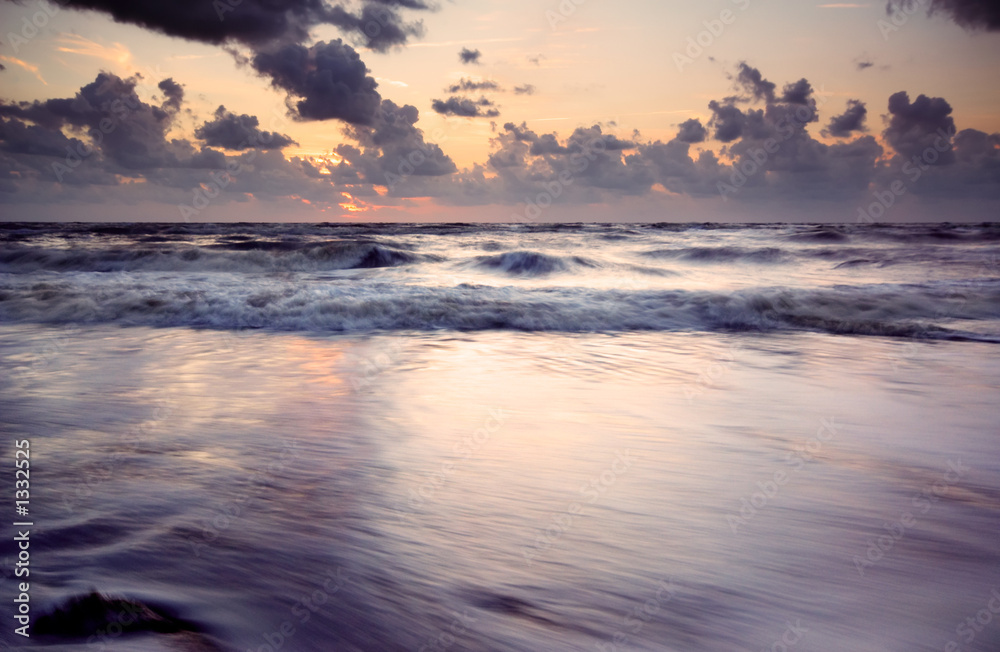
(762, 146)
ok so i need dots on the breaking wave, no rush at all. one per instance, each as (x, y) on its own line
(531, 263)
(722, 254)
(227, 256)
(891, 310)
(935, 281)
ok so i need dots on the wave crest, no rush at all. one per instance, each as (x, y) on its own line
(530, 263)
(231, 256)
(345, 306)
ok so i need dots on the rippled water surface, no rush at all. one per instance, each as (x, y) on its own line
(731, 454)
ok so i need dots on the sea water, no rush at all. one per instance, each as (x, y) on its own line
(511, 437)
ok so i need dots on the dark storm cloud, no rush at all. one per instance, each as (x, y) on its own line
(788, 161)
(466, 108)
(915, 127)
(548, 144)
(131, 132)
(674, 168)
(381, 26)
(116, 137)
(795, 107)
(588, 166)
(249, 22)
(776, 156)
(769, 156)
(578, 142)
(970, 14)
(17, 137)
(231, 131)
(727, 120)
(27, 154)
(469, 56)
(973, 172)
(798, 93)
(512, 147)
(977, 160)
(330, 79)
(771, 152)
(113, 139)
(127, 136)
(395, 130)
(174, 93)
(599, 161)
(123, 139)
(753, 81)
(260, 22)
(522, 133)
(851, 120)
(467, 85)
(392, 148)
(91, 104)
(692, 131)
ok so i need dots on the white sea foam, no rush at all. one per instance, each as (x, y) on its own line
(920, 281)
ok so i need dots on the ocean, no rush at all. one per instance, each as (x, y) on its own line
(354, 437)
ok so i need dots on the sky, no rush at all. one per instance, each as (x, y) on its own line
(513, 111)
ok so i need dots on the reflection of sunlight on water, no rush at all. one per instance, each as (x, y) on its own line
(321, 362)
(428, 474)
(214, 459)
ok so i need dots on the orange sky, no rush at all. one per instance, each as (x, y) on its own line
(630, 67)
